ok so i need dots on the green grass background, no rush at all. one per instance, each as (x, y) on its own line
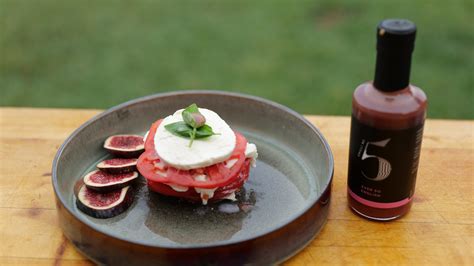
(309, 55)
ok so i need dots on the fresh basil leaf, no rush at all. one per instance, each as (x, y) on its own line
(204, 131)
(193, 108)
(184, 130)
(188, 118)
(180, 129)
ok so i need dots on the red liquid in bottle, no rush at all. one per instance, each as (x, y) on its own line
(386, 130)
(390, 111)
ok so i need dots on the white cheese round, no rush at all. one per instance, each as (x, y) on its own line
(175, 150)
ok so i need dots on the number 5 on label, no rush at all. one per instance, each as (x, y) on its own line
(384, 167)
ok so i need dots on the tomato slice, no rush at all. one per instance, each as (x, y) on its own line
(192, 195)
(154, 169)
(150, 142)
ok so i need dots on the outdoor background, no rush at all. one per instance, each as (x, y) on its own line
(308, 55)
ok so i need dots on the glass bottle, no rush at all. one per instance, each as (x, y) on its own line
(388, 116)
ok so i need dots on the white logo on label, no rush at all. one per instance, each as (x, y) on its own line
(384, 166)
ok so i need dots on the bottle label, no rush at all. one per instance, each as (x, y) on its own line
(383, 164)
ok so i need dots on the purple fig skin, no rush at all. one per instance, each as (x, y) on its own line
(126, 154)
(117, 169)
(109, 187)
(107, 213)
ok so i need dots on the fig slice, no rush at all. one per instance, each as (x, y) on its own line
(101, 181)
(128, 146)
(118, 165)
(104, 205)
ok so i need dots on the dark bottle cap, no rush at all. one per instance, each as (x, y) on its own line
(395, 44)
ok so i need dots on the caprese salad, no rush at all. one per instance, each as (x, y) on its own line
(193, 154)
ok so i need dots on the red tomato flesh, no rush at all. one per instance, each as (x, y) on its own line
(192, 195)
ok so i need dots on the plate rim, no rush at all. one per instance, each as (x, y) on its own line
(140, 100)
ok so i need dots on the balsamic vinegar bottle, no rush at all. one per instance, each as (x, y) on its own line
(388, 115)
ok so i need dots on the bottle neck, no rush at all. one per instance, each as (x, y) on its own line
(392, 71)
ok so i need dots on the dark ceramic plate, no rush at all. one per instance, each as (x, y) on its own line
(281, 209)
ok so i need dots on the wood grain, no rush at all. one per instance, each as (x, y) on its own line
(439, 229)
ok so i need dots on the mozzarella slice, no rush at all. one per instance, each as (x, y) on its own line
(175, 150)
(251, 152)
(231, 196)
(201, 178)
(230, 163)
(162, 173)
(178, 188)
(206, 194)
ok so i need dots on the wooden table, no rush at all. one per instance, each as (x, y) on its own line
(438, 230)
